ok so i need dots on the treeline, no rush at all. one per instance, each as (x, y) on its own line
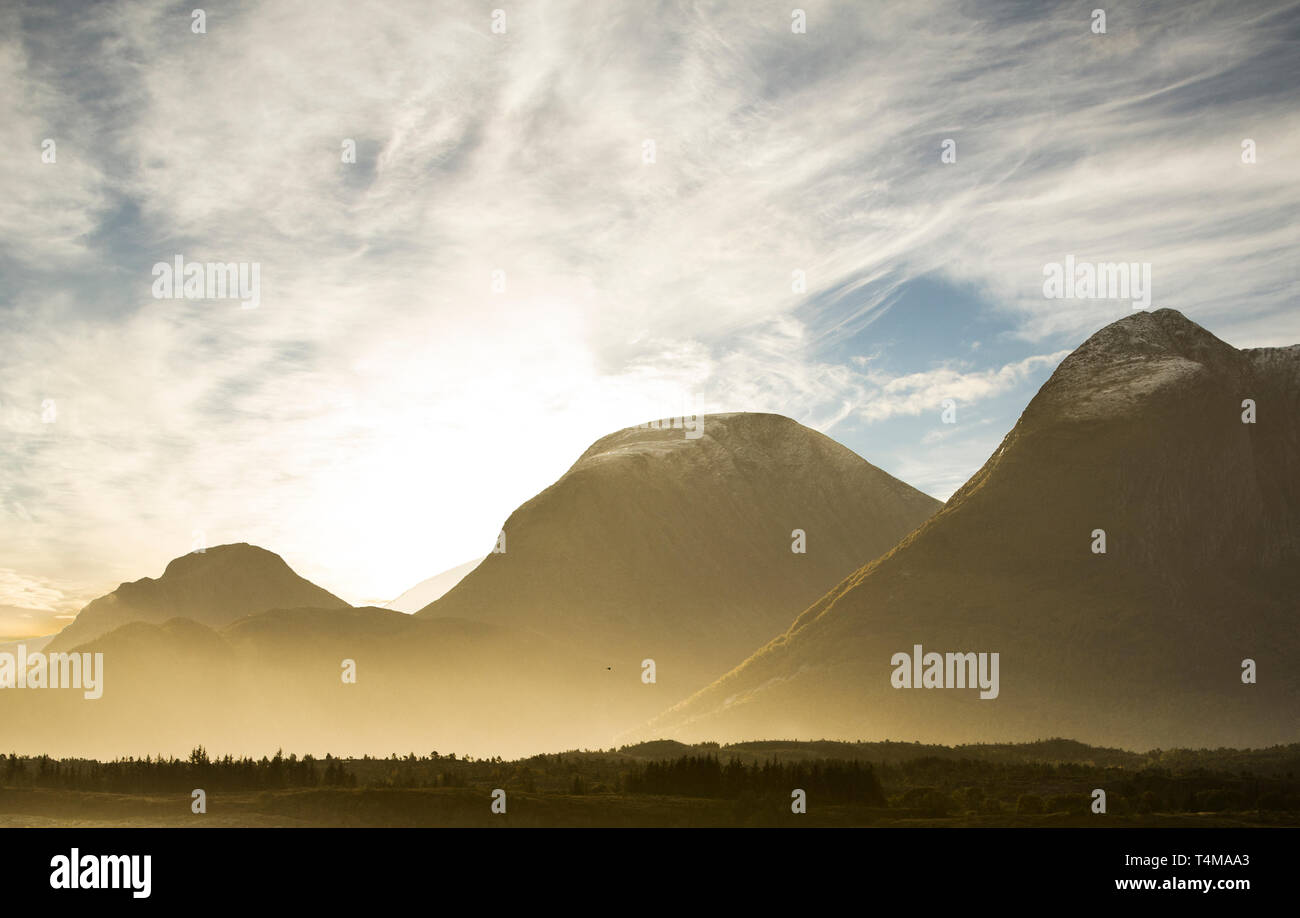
(927, 786)
(163, 774)
(942, 787)
(830, 780)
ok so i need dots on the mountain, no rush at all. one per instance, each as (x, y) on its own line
(651, 545)
(275, 680)
(426, 591)
(679, 549)
(1140, 433)
(213, 587)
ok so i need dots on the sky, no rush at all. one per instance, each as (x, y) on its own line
(585, 218)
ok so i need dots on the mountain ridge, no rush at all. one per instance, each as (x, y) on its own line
(1200, 514)
(213, 587)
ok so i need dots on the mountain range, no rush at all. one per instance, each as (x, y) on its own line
(251, 655)
(1127, 552)
(1140, 434)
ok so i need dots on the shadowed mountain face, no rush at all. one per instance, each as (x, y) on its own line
(659, 546)
(1138, 433)
(213, 587)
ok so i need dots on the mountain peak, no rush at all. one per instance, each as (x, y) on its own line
(693, 547)
(222, 556)
(1120, 367)
(661, 433)
(214, 587)
(1164, 332)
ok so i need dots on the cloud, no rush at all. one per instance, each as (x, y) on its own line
(383, 387)
(914, 393)
(18, 590)
(30, 607)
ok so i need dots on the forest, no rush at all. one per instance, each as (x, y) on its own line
(666, 783)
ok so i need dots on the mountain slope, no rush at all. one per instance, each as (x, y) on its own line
(1139, 433)
(658, 546)
(435, 587)
(213, 587)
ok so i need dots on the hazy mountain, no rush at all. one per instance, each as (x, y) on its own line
(275, 680)
(1138, 433)
(426, 591)
(652, 545)
(213, 587)
(656, 545)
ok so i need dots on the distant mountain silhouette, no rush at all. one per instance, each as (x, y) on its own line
(213, 587)
(659, 546)
(1139, 433)
(435, 587)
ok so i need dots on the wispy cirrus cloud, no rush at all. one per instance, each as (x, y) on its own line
(384, 384)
